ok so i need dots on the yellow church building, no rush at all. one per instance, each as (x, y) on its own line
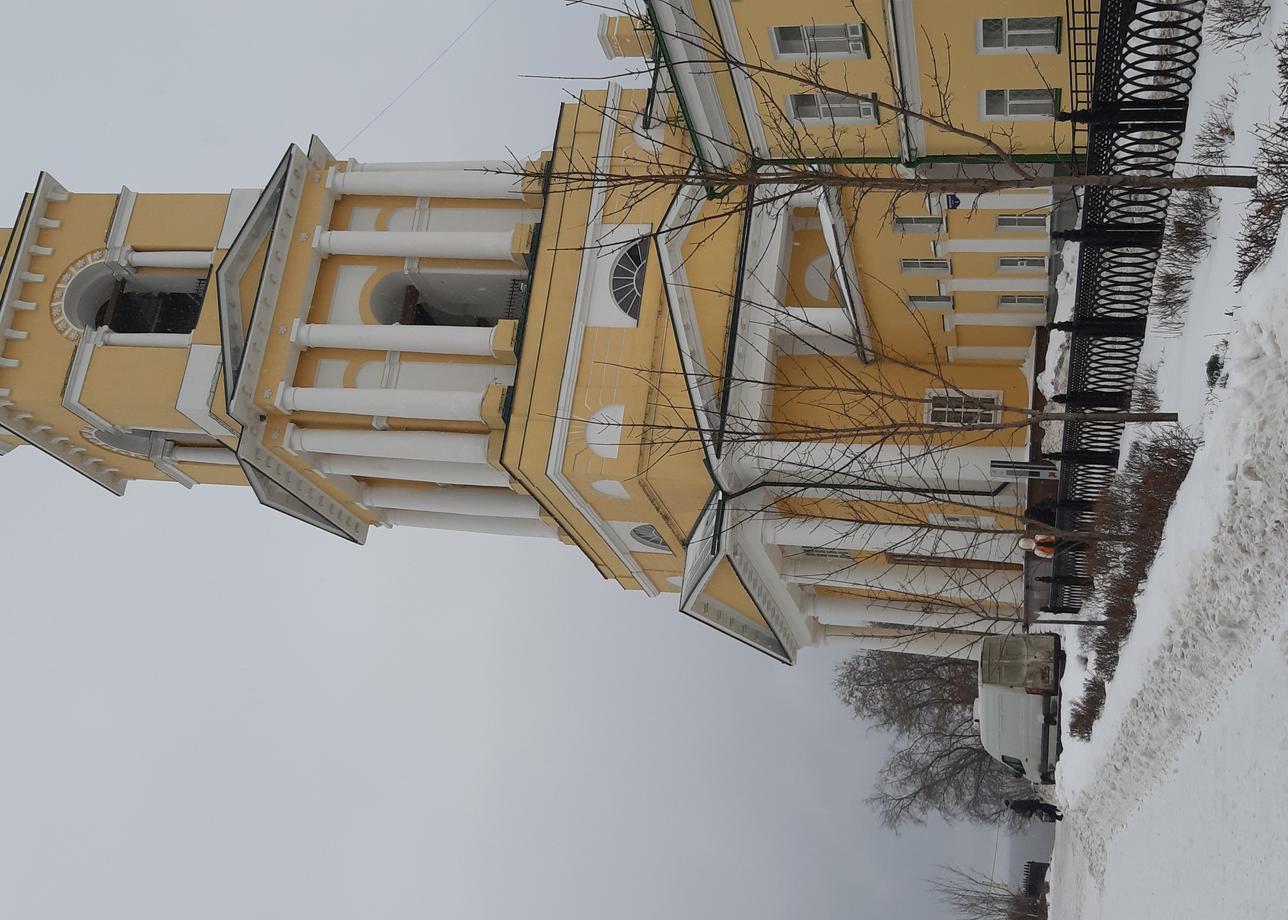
(797, 406)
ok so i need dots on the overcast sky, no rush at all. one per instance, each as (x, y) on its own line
(209, 710)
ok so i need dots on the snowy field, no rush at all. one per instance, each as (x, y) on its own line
(1178, 806)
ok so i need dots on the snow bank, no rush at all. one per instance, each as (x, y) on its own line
(1218, 588)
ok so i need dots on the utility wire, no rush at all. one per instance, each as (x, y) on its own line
(428, 67)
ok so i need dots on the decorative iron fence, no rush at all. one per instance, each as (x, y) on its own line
(1143, 56)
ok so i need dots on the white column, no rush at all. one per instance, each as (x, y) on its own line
(434, 340)
(993, 319)
(220, 456)
(936, 645)
(457, 474)
(488, 246)
(837, 610)
(437, 405)
(816, 321)
(446, 446)
(981, 586)
(899, 538)
(470, 523)
(988, 353)
(476, 182)
(917, 464)
(484, 502)
(145, 339)
(356, 166)
(169, 259)
(1039, 244)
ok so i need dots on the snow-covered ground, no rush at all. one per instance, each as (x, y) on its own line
(1178, 806)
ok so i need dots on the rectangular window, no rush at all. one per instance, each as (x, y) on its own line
(931, 302)
(1021, 103)
(1022, 302)
(839, 40)
(833, 107)
(827, 552)
(1021, 222)
(962, 407)
(1022, 264)
(925, 266)
(950, 562)
(1019, 34)
(918, 224)
(960, 520)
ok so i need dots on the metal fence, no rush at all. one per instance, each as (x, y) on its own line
(1144, 54)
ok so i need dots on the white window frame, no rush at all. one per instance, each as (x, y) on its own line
(994, 414)
(1008, 30)
(1020, 223)
(827, 552)
(983, 522)
(921, 266)
(865, 100)
(918, 223)
(1020, 265)
(1052, 94)
(932, 303)
(855, 33)
(1015, 303)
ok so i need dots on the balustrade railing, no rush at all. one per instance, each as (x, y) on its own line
(1132, 64)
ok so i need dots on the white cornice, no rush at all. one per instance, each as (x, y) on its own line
(695, 84)
(901, 29)
(20, 423)
(252, 450)
(840, 247)
(742, 85)
(572, 357)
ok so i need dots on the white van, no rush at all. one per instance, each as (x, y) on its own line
(1018, 707)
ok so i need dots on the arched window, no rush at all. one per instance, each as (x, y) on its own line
(447, 298)
(96, 298)
(604, 431)
(627, 278)
(129, 309)
(648, 535)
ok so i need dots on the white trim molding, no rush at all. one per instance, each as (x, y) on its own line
(742, 84)
(572, 357)
(959, 353)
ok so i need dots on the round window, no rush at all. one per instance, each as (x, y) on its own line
(647, 535)
(627, 279)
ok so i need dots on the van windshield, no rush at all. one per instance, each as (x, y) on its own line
(1003, 662)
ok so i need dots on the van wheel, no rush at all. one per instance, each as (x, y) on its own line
(1048, 778)
(1052, 718)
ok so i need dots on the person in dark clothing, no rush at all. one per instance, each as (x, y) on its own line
(1035, 808)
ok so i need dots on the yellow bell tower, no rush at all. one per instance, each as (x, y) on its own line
(342, 340)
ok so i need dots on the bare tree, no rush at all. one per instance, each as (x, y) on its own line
(879, 403)
(937, 764)
(973, 896)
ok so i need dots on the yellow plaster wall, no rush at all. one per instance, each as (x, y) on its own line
(136, 387)
(947, 51)
(948, 61)
(176, 222)
(867, 403)
(531, 428)
(726, 587)
(919, 335)
(36, 385)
